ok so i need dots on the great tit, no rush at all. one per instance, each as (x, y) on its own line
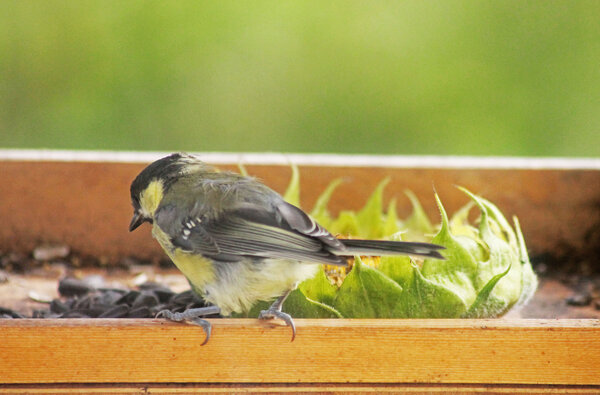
(236, 240)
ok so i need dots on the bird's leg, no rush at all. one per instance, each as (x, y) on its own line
(275, 312)
(193, 317)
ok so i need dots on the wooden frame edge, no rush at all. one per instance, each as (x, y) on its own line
(524, 352)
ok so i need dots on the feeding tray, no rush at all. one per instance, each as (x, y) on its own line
(81, 200)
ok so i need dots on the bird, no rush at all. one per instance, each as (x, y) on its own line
(236, 240)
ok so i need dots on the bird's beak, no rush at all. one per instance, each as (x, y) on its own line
(136, 221)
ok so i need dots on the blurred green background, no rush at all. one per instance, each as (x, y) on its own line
(394, 77)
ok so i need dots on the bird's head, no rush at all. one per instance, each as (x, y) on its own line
(149, 187)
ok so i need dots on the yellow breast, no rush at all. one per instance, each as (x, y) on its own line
(198, 270)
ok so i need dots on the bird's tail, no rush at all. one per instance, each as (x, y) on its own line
(387, 247)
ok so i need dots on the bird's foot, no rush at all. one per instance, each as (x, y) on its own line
(193, 317)
(275, 313)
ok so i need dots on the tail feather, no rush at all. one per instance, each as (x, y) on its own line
(387, 247)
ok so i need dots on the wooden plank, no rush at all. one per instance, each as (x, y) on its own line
(86, 204)
(550, 352)
(179, 388)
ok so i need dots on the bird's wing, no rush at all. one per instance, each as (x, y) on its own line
(185, 231)
(279, 230)
(299, 221)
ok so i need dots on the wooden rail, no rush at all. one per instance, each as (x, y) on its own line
(81, 199)
(499, 352)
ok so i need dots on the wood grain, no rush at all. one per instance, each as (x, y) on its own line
(86, 205)
(524, 352)
(182, 388)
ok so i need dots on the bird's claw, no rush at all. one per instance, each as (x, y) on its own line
(179, 317)
(171, 316)
(274, 313)
(205, 325)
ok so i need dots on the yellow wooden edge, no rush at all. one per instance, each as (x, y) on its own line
(525, 352)
(329, 388)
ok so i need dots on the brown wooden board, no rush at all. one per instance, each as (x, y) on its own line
(85, 204)
(565, 352)
(330, 388)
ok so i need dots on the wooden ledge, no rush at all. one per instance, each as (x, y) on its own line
(329, 388)
(503, 352)
(81, 198)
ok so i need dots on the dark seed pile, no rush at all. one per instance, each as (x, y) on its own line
(80, 300)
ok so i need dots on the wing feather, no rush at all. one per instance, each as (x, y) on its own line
(229, 218)
(241, 237)
(246, 233)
